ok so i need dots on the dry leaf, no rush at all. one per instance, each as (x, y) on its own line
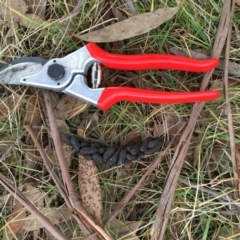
(15, 13)
(15, 221)
(90, 191)
(121, 230)
(63, 107)
(68, 107)
(118, 45)
(130, 27)
(168, 122)
(29, 223)
(117, 14)
(39, 199)
(35, 195)
(55, 215)
(78, 107)
(67, 150)
(20, 223)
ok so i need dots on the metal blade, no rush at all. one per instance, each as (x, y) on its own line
(12, 72)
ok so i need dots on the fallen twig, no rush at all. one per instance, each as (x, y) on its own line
(62, 189)
(163, 211)
(234, 159)
(31, 208)
(49, 167)
(132, 192)
(73, 196)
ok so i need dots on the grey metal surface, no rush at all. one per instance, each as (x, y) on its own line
(14, 73)
(77, 62)
(96, 74)
(79, 89)
(24, 60)
(73, 81)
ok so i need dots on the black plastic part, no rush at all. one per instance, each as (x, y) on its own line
(56, 71)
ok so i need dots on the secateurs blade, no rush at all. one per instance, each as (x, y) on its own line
(69, 75)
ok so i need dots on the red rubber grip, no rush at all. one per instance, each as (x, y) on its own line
(150, 61)
(112, 95)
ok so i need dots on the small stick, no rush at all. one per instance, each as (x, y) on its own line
(234, 159)
(73, 196)
(57, 181)
(31, 208)
(48, 165)
(164, 207)
(132, 192)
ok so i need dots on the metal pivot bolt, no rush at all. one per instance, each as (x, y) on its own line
(55, 71)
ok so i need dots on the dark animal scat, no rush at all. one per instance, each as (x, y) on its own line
(96, 144)
(108, 153)
(101, 150)
(122, 156)
(135, 149)
(87, 150)
(154, 149)
(154, 142)
(97, 158)
(130, 157)
(115, 155)
(144, 144)
(112, 161)
(84, 143)
(67, 138)
(75, 143)
(88, 157)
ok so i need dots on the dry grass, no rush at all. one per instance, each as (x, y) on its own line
(205, 206)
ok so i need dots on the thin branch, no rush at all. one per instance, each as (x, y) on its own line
(49, 166)
(58, 145)
(57, 181)
(31, 208)
(149, 171)
(163, 211)
(235, 164)
(73, 196)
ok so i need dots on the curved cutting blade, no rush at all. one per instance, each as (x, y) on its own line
(12, 72)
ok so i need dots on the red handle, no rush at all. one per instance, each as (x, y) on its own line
(112, 95)
(150, 61)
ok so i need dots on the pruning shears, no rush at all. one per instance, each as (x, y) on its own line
(70, 76)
